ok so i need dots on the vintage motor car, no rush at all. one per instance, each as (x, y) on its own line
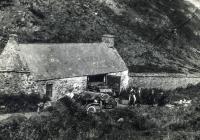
(95, 101)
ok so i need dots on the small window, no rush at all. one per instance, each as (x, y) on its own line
(49, 89)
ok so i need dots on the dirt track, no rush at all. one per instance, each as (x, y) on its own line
(27, 115)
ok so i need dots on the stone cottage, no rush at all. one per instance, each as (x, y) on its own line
(60, 69)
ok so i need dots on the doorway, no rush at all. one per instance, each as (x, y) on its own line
(113, 82)
(95, 81)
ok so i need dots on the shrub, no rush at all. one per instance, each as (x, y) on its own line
(10, 126)
(20, 102)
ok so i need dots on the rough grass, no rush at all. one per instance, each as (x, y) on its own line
(145, 122)
(68, 120)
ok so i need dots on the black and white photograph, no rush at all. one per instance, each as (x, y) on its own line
(99, 69)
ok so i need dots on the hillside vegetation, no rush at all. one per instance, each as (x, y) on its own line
(67, 119)
(151, 35)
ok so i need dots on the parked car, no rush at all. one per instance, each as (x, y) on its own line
(101, 87)
(95, 101)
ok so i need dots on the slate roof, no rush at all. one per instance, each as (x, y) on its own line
(50, 61)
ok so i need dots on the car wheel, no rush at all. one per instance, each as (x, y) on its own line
(91, 109)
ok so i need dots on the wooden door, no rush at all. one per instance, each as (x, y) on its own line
(49, 90)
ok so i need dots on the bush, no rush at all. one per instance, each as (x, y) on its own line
(66, 120)
(190, 92)
(21, 102)
(10, 126)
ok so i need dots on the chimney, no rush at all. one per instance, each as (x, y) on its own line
(13, 41)
(109, 40)
(13, 37)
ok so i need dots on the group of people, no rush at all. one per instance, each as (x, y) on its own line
(140, 96)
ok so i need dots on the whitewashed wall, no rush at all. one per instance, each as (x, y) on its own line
(62, 87)
(124, 79)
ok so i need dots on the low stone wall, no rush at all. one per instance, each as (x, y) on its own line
(163, 81)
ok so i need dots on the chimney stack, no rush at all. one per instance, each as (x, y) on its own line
(109, 40)
(13, 41)
(13, 37)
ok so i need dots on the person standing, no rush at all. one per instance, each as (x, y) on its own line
(139, 96)
(132, 97)
(161, 101)
(152, 97)
(40, 106)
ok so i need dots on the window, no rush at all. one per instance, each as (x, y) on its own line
(49, 89)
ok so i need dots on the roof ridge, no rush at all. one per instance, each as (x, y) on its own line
(59, 43)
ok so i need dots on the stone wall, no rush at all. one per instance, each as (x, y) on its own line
(13, 83)
(124, 79)
(62, 87)
(163, 80)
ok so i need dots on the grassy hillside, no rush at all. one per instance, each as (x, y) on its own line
(67, 119)
(151, 35)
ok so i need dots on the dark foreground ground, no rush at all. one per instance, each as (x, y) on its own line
(66, 120)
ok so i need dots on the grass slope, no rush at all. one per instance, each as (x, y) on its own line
(151, 35)
(66, 119)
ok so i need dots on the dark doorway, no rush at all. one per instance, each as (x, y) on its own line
(95, 81)
(49, 90)
(97, 78)
(114, 82)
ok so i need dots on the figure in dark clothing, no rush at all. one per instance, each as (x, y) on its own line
(40, 106)
(132, 97)
(152, 97)
(139, 96)
(161, 101)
